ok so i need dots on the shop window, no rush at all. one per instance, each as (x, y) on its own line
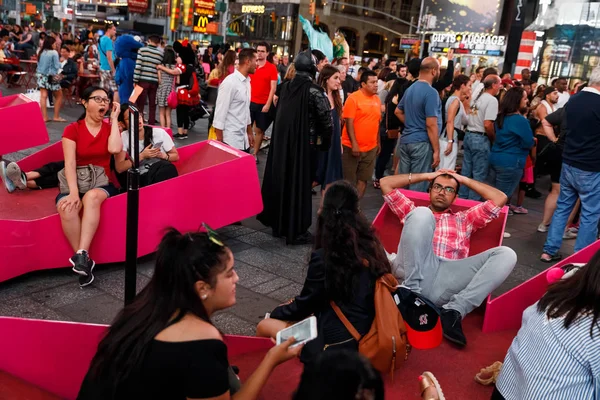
(373, 44)
(351, 38)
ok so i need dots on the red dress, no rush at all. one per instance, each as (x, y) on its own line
(188, 91)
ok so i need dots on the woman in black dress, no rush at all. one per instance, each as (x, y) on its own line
(329, 167)
(163, 345)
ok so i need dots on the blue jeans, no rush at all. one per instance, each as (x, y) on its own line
(475, 162)
(585, 185)
(505, 179)
(416, 158)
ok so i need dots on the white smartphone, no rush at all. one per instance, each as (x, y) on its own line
(304, 331)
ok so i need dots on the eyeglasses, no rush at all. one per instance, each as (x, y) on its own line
(100, 99)
(213, 236)
(437, 188)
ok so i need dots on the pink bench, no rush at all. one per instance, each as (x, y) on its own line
(216, 184)
(389, 229)
(22, 124)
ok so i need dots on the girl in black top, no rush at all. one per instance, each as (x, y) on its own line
(347, 260)
(163, 345)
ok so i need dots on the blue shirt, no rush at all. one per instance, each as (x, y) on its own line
(546, 361)
(420, 102)
(105, 45)
(513, 142)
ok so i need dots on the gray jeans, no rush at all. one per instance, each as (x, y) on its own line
(415, 158)
(460, 285)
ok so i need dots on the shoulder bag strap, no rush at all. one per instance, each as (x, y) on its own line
(345, 321)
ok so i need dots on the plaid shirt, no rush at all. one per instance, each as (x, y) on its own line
(452, 237)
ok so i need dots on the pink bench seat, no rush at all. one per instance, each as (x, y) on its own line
(217, 185)
(22, 124)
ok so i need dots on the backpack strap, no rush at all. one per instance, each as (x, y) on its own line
(345, 321)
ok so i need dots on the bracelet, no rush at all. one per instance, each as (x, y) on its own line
(409, 178)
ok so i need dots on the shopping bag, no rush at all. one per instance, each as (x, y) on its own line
(34, 94)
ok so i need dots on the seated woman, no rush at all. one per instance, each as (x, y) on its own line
(89, 141)
(556, 354)
(42, 178)
(157, 152)
(163, 345)
(347, 260)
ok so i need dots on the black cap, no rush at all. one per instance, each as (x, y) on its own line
(421, 317)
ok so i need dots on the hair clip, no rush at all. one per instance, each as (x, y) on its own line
(213, 236)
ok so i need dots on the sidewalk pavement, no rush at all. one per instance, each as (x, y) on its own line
(270, 272)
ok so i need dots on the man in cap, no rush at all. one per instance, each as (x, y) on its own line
(303, 127)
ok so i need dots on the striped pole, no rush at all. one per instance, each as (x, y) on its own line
(525, 56)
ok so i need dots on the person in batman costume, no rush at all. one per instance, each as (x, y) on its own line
(303, 127)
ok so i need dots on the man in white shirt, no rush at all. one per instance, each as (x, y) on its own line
(477, 87)
(232, 120)
(563, 93)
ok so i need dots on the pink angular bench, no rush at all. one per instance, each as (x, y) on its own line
(505, 311)
(216, 184)
(22, 124)
(389, 229)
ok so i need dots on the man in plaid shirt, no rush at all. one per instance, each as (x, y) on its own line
(433, 251)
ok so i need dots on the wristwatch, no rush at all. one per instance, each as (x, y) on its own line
(451, 141)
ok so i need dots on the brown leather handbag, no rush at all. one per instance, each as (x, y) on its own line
(88, 177)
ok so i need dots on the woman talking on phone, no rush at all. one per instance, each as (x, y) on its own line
(157, 152)
(87, 148)
(164, 345)
(347, 260)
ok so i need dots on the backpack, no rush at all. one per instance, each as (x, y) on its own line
(386, 344)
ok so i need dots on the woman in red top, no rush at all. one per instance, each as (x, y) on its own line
(87, 141)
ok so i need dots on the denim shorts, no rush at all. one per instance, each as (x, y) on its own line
(110, 190)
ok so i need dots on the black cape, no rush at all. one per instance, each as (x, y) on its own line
(287, 182)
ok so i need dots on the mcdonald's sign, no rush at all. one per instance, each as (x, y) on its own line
(234, 27)
(200, 23)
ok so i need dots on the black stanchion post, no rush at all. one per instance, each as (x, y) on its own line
(133, 205)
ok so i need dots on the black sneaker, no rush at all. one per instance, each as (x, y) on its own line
(452, 327)
(86, 280)
(183, 136)
(531, 192)
(305, 238)
(176, 136)
(82, 264)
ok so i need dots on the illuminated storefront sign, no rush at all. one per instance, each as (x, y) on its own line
(253, 9)
(175, 14)
(469, 39)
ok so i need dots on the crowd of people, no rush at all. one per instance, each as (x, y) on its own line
(333, 128)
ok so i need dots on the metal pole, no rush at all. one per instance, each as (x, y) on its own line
(420, 27)
(412, 20)
(224, 18)
(133, 204)
(18, 8)
(422, 46)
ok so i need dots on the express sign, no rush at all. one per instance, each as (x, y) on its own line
(469, 39)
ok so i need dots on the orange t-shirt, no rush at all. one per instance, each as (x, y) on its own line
(366, 112)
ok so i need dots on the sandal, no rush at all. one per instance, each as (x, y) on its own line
(59, 120)
(376, 184)
(488, 375)
(547, 258)
(426, 381)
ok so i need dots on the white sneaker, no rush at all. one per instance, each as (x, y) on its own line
(10, 187)
(13, 172)
(569, 235)
(542, 228)
(507, 235)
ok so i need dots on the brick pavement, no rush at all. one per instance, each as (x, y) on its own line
(269, 271)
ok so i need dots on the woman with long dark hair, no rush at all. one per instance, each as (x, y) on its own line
(224, 69)
(347, 260)
(48, 78)
(329, 167)
(167, 76)
(514, 140)
(88, 142)
(556, 354)
(163, 345)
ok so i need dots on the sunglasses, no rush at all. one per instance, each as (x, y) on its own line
(213, 236)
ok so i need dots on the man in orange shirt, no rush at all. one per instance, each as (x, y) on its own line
(360, 137)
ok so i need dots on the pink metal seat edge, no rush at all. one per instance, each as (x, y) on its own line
(23, 126)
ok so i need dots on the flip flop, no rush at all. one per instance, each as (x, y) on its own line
(59, 120)
(488, 375)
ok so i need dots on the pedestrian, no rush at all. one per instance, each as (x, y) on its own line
(480, 135)
(145, 75)
(107, 62)
(360, 136)
(264, 84)
(580, 175)
(283, 66)
(479, 86)
(188, 89)
(563, 93)
(420, 110)
(514, 140)
(330, 161)
(232, 120)
(126, 49)
(48, 78)
(166, 85)
(456, 119)
(303, 128)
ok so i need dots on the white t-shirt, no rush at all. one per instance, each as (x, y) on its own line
(158, 136)
(562, 99)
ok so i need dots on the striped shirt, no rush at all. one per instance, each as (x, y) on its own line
(148, 59)
(452, 237)
(547, 361)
